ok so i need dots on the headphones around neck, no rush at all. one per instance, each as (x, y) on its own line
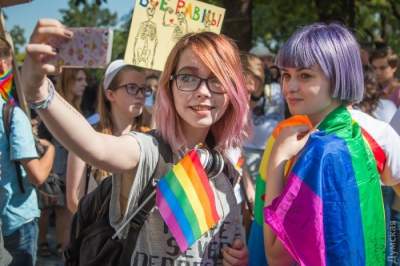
(212, 161)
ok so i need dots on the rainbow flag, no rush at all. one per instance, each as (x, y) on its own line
(331, 210)
(6, 84)
(186, 201)
(256, 238)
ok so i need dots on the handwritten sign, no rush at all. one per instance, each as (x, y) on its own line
(157, 25)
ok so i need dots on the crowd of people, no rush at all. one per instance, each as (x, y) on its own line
(309, 134)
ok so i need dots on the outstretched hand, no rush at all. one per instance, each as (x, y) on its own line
(38, 52)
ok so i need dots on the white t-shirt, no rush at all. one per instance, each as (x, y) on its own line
(155, 244)
(384, 110)
(395, 122)
(386, 137)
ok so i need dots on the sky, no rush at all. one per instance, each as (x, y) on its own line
(26, 15)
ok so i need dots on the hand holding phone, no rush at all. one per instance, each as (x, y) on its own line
(88, 48)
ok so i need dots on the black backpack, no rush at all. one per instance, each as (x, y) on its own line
(91, 239)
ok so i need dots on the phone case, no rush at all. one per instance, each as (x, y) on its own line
(89, 48)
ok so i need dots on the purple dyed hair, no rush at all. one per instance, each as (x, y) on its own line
(335, 50)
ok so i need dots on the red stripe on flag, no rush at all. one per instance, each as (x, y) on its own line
(379, 154)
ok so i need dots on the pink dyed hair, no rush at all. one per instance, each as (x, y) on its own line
(221, 55)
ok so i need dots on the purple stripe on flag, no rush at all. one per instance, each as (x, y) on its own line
(170, 220)
(305, 226)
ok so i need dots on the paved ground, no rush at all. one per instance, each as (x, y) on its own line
(52, 260)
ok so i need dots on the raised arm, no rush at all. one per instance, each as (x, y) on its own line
(114, 154)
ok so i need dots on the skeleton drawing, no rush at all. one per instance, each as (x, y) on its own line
(146, 40)
(178, 21)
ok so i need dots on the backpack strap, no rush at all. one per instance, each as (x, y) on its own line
(147, 198)
(88, 173)
(8, 112)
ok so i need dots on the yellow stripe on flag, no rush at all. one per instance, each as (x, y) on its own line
(187, 185)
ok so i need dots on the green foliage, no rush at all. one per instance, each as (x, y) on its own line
(17, 35)
(87, 15)
(378, 21)
(374, 20)
(121, 36)
(275, 21)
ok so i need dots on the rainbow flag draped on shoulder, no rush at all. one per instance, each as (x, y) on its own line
(186, 201)
(330, 211)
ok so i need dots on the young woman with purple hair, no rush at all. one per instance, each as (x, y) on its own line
(327, 208)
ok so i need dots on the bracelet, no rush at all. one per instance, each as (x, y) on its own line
(44, 104)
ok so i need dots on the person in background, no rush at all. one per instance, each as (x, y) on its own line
(21, 171)
(71, 83)
(121, 98)
(151, 82)
(373, 102)
(267, 109)
(385, 62)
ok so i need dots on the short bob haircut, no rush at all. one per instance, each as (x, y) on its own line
(221, 56)
(335, 50)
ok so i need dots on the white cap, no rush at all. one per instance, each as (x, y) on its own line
(111, 71)
(260, 50)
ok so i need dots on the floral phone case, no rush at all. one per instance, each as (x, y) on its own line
(88, 48)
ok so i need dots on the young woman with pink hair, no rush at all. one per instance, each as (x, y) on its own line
(201, 99)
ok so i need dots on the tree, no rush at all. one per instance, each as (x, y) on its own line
(17, 35)
(274, 21)
(88, 15)
(121, 36)
(238, 22)
(98, 2)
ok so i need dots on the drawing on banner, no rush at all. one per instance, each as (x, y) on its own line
(177, 21)
(146, 40)
(157, 25)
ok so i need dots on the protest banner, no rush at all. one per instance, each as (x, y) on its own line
(157, 25)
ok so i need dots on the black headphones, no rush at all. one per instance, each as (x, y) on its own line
(212, 161)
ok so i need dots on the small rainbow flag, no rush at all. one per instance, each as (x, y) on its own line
(186, 201)
(256, 238)
(6, 84)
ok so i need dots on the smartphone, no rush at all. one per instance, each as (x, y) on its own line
(88, 48)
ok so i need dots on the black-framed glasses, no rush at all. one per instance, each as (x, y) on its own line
(189, 82)
(133, 89)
